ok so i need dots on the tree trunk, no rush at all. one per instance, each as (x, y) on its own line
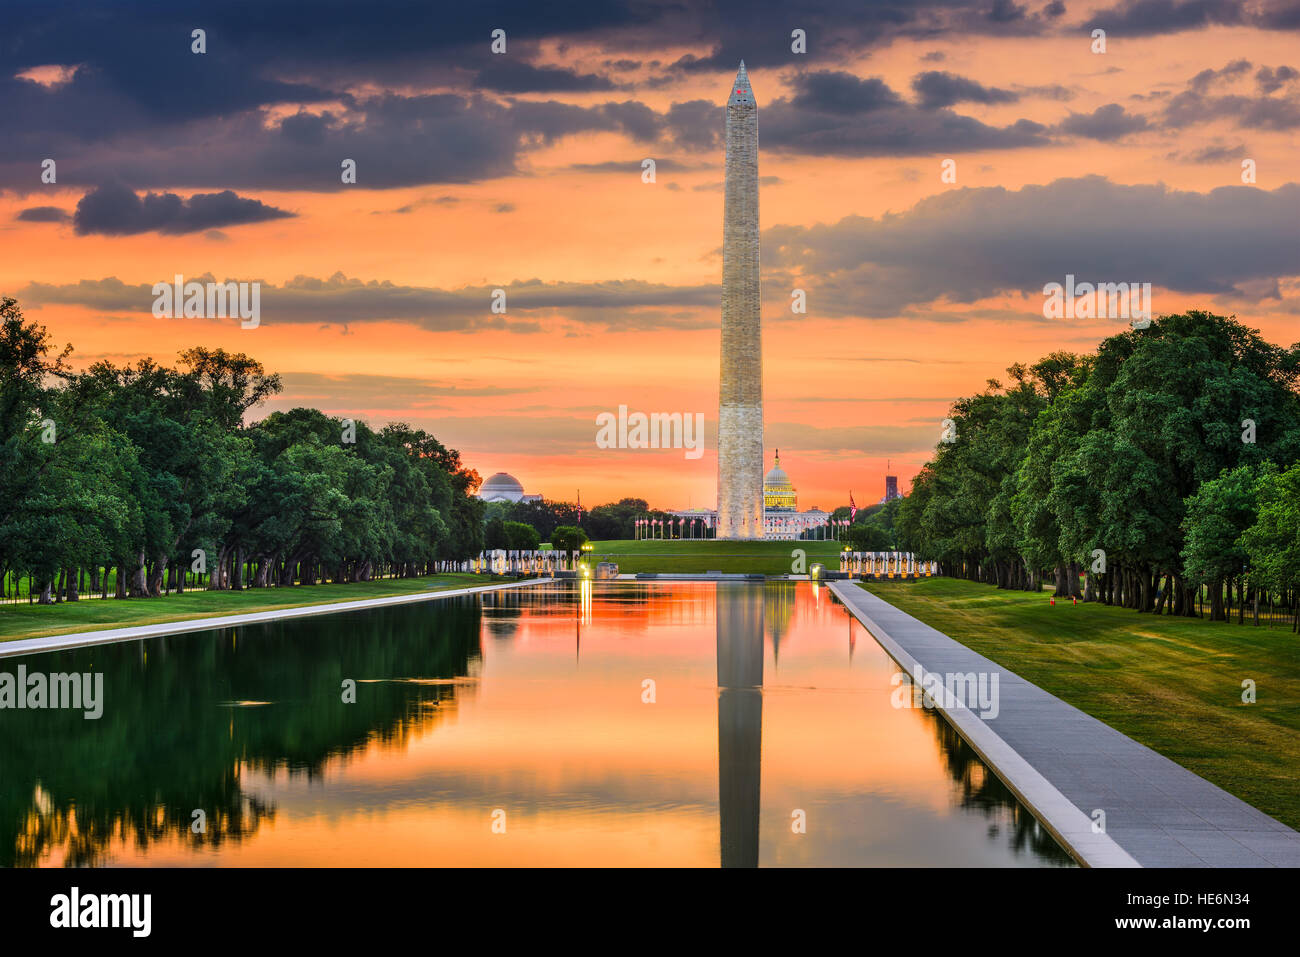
(156, 576)
(1216, 602)
(139, 583)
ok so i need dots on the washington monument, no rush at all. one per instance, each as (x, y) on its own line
(740, 385)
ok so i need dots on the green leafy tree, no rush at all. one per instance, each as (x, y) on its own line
(567, 538)
(1272, 543)
(521, 536)
(1216, 516)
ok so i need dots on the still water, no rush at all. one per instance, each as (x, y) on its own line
(679, 724)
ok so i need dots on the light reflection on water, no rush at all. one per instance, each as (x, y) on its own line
(769, 704)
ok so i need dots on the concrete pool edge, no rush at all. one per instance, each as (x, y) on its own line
(1071, 828)
(84, 639)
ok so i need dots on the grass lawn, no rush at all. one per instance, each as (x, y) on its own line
(1174, 684)
(35, 621)
(710, 555)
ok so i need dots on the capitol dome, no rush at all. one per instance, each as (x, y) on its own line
(778, 492)
(776, 478)
(502, 487)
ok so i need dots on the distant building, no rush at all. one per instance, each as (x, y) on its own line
(504, 487)
(778, 493)
(781, 518)
(891, 489)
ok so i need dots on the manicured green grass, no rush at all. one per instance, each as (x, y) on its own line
(1174, 684)
(761, 558)
(35, 621)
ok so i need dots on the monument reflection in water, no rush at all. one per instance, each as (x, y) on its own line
(769, 700)
(738, 612)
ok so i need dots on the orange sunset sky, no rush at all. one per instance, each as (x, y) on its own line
(523, 171)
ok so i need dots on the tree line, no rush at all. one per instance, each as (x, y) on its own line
(1158, 470)
(612, 521)
(148, 475)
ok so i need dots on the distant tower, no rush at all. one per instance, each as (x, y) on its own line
(891, 488)
(740, 386)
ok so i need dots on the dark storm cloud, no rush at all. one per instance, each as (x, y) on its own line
(938, 88)
(1105, 123)
(395, 140)
(1270, 80)
(1147, 17)
(899, 130)
(1279, 15)
(1207, 97)
(1052, 91)
(838, 114)
(259, 52)
(1209, 154)
(1209, 77)
(142, 109)
(843, 93)
(43, 214)
(399, 140)
(144, 44)
(759, 31)
(695, 124)
(111, 93)
(1005, 11)
(968, 244)
(635, 119)
(115, 210)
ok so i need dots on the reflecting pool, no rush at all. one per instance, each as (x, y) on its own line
(607, 724)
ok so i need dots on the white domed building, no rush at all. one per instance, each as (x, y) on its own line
(504, 487)
(782, 520)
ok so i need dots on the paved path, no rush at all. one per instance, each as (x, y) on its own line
(27, 646)
(1064, 765)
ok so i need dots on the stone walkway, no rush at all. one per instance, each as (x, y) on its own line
(28, 646)
(1065, 765)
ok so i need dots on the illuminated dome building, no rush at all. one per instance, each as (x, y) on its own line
(778, 493)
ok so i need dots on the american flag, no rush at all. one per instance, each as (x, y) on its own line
(853, 508)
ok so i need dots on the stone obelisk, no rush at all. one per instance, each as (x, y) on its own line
(740, 386)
